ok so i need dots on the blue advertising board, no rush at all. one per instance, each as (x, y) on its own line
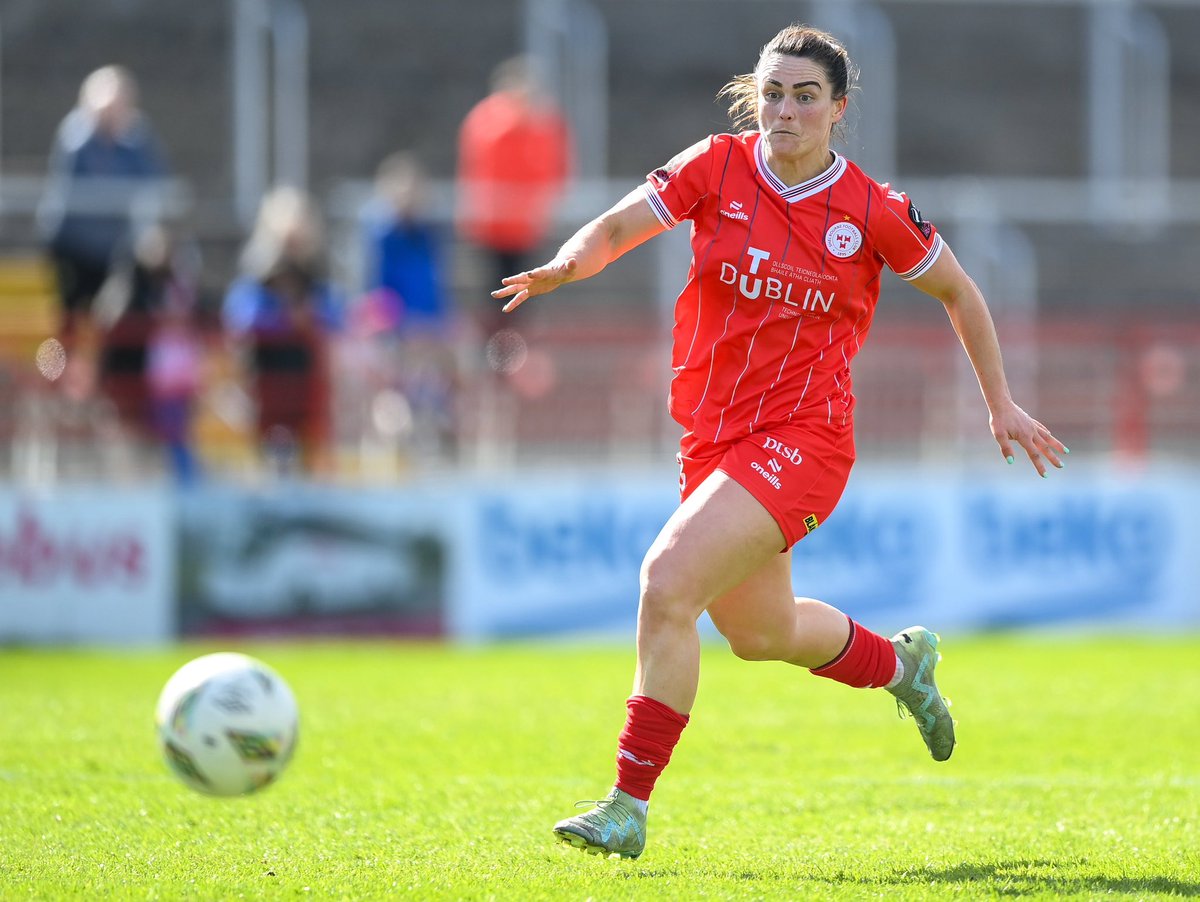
(548, 557)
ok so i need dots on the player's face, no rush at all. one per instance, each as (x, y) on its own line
(796, 108)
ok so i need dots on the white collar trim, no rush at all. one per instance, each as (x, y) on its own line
(794, 193)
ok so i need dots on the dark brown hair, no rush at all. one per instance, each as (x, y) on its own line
(796, 40)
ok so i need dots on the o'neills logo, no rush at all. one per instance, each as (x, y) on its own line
(762, 471)
(792, 454)
(736, 207)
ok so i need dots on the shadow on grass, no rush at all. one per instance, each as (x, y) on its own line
(1018, 877)
(1024, 875)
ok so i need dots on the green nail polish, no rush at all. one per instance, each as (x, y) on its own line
(1045, 476)
(1066, 450)
(1009, 458)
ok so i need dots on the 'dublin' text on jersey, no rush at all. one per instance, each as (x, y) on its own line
(783, 283)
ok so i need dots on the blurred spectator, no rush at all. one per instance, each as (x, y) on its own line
(151, 357)
(281, 311)
(104, 158)
(514, 152)
(405, 321)
(404, 251)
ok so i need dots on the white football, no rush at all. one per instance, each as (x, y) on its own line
(227, 724)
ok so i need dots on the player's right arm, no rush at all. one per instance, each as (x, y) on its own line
(623, 227)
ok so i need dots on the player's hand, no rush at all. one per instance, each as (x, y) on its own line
(541, 280)
(1012, 427)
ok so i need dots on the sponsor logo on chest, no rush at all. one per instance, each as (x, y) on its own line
(774, 280)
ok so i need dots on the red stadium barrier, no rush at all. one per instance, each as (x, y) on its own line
(596, 392)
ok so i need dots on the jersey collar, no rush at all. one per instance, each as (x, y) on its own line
(794, 193)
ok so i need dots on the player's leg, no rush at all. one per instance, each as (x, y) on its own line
(798, 473)
(763, 623)
(716, 539)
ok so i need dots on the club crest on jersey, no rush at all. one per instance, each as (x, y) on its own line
(843, 239)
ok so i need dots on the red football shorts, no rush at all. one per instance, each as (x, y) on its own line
(797, 471)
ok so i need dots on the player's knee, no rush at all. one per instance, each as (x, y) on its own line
(666, 593)
(753, 645)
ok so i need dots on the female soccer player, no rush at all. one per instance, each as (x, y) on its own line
(788, 241)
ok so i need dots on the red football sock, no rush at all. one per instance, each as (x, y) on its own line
(645, 745)
(867, 662)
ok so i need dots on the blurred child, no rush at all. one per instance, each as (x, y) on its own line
(281, 310)
(406, 314)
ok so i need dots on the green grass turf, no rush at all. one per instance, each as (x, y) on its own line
(432, 772)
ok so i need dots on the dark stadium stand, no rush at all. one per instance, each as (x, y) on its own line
(987, 89)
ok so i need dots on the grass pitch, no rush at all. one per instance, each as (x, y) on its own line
(431, 772)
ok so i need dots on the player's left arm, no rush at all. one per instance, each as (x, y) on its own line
(624, 226)
(968, 311)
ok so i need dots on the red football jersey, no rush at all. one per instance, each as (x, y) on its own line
(783, 283)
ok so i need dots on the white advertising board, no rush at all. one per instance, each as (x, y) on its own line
(86, 565)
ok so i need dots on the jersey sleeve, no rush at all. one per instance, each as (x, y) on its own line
(908, 243)
(676, 189)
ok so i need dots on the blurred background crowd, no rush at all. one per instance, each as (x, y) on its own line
(256, 237)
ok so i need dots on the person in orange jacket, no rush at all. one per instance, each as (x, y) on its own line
(514, 157)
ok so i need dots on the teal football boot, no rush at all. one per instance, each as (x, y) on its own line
(916, 647)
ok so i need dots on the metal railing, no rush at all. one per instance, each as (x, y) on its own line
(594, 392)
(270, 99)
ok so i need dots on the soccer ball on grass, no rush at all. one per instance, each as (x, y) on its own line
(227, 724)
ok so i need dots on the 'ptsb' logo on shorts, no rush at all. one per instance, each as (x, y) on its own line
(792, 454)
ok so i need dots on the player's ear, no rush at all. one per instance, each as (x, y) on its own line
(840, 110)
